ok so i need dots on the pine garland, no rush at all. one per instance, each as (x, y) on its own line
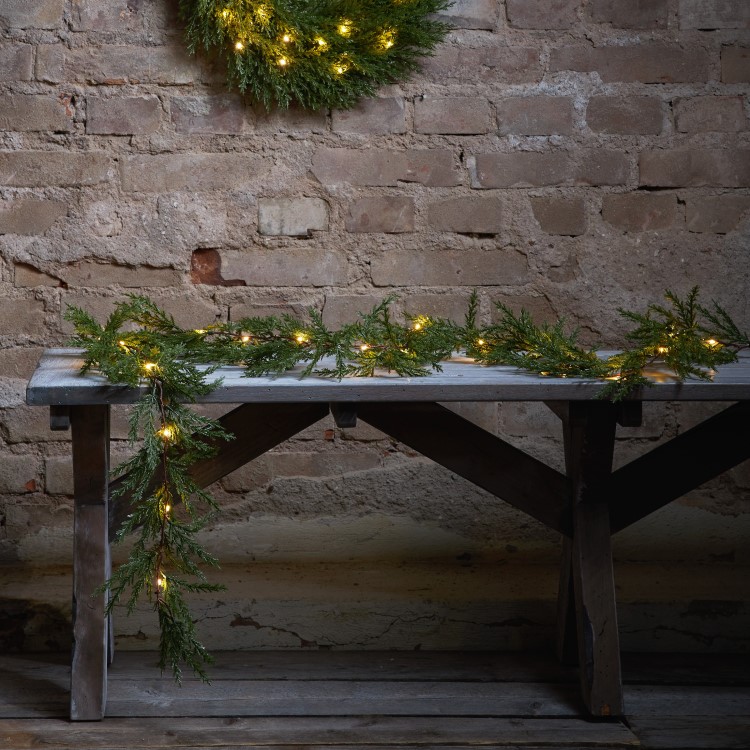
(327, 53)
(141, 345)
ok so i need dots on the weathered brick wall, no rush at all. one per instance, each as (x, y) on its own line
(570, 156)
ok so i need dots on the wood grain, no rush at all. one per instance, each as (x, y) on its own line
(91, 561)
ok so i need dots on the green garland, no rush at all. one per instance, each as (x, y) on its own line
(141, 345)
(327, 53)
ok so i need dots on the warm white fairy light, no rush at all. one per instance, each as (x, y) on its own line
(239, 46)
(282, 62)
(301, 338)
(345, 27)
(167, 432)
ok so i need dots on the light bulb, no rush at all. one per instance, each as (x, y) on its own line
(711, 342)
(239, 46)
(301, 338)
(345, 27)
(245, 339)
(364, 347)
(322, 43)
(167, 432)
(286, 38)
(282, 62)
(150, 367)
(480, 342)
(662, 349)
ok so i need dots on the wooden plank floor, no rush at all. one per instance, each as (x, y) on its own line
(383, 700)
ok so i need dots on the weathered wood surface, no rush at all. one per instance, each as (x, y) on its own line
(91, 561)
(670, 470)
(589, 434)
(312, 731)
(663, 712)
(256, 428)
(476, 455)
(693, 732)
(57, 380)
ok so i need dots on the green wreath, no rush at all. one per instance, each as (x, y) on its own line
(319, 53)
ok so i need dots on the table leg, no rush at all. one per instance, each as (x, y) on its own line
(589, 431)
(91, 562)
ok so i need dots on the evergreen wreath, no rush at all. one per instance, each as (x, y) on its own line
(141, 346)
(319, 53)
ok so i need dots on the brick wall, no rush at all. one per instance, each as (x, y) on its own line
(568, 156)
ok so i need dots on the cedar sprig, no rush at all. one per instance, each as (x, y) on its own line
(673, 335)
(541, 348)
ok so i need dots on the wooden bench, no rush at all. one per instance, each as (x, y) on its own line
(586, 505)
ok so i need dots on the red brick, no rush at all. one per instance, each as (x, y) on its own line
(15, 62)
(449, 268)
(714, 14)
(471, 14)
(164, 173)
(50, 63)
(650, 62)
(542, 14)
(560, 215)
(735, 64)
(295, 119)
(87, 273)
(205, 268)
(539, 169)
(381, 214)
(21, 316)
(30, 215)
(39, 113)
(287, 267)
(31, 14)
(375, 116)
(188, 310)
(19, 474)
(630, 14)
(695, 168)
(211, 114)
(46, 168)
(707, 114)
(114, 15)
(494, 64)
(377, 167)
(718, 214)
(342, 309)
(523, 169)
(535, 115)
(131, 115)
(451, 306)
(625, 115)
(293, 217)
(640, 212)
(457, 115)
(472, 215)
(25, 275)
(19, 362)
(118, 65)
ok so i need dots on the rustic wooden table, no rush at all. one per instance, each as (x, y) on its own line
(586, 505)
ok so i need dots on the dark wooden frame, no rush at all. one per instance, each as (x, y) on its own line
(586, 504)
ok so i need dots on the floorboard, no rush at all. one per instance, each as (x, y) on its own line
(384, 700)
